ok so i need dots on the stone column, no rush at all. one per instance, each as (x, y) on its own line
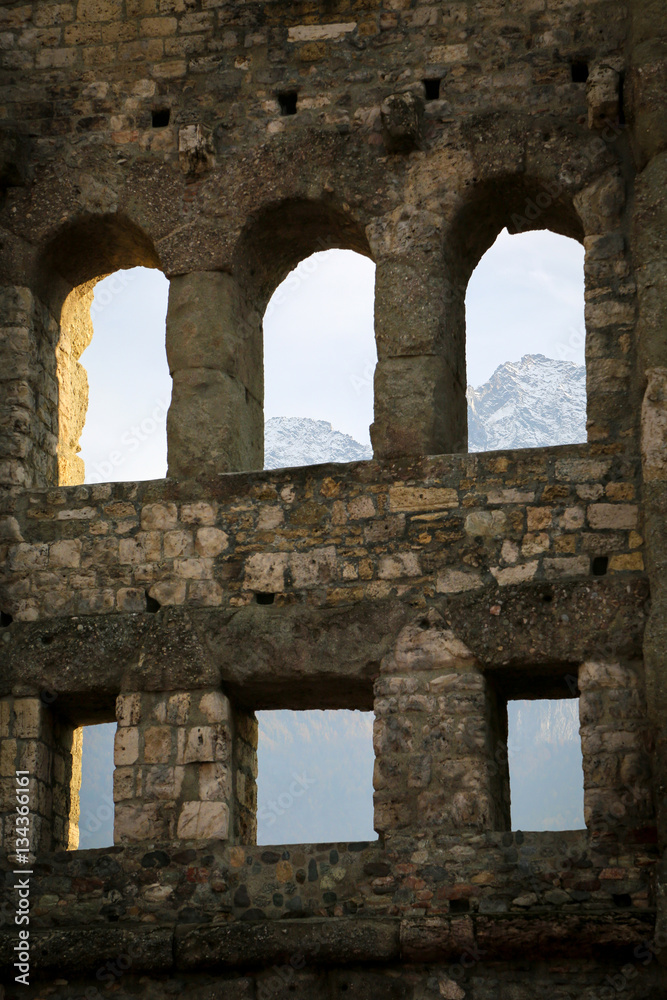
(420, 400)
(645, 86)
(33, 739)
(440, 750)
(28, 391)
(214, 348)
(615, 749)
(185, 768)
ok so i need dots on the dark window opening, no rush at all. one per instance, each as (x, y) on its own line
(152, 606)
(5, 619)
(579, 70)
(161, 117)
(287, 100)
(265, 598)
(600, 564)
(432, 88)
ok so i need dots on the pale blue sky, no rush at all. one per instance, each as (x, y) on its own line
(525, 297)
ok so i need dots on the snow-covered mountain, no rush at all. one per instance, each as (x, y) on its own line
(293, 441)
(530, 403)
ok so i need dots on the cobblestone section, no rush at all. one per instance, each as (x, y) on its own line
(325, 536)
(486, 874)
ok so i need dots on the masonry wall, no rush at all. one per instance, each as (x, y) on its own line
(430, 589)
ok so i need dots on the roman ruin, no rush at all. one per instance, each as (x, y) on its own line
(223, 141)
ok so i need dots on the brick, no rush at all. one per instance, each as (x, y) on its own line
(605, 515)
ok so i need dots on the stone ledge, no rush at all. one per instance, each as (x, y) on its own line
(316, 942)
(304, 657)
(346, 941)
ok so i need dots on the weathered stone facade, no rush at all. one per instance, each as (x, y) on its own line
(222, 141)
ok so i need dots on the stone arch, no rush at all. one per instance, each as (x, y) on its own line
(74, 259)
(588, 211)
(281, 235)
(215, 335)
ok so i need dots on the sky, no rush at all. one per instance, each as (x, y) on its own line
(525, 297)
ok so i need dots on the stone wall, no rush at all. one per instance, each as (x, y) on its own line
(162, 133)
(323, 537)
(159, 98)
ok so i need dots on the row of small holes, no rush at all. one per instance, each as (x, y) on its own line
(287, 100)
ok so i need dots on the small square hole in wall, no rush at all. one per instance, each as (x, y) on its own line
(161, 117)
(315, 777)
(432, 88)
(600, 565)
(287, 100)
(579, 70)
(545, 764)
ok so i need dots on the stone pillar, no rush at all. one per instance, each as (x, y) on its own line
(645, 87)
(185, 768)
(33, 739)
(28, 391)
(440, 753)
(214, 348)
(615, 748)
(420, 384)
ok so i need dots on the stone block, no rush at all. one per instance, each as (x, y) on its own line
(128, 709)
(486, 523)
(454, 581)
(159, 517)
(214, 706)
(405, 564)
(29, 718)
(203, 821)
(215, 783)
(126, 745)
(265, 571)
(211, 541)
(606, 515)
(402, 118)
(157, 744)
(203, 743)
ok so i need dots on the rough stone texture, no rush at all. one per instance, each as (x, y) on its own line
(214, 349)
(161, 133)
(432, 526)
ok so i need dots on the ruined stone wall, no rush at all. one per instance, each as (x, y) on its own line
(324, 537)
(222, 142)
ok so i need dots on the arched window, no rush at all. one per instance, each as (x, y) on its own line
(525, 340)
(319, 361)
(129, 388)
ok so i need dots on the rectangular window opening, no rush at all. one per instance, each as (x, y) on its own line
(545, 764)
(432, 88)
(315, 777)
(96, 804)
